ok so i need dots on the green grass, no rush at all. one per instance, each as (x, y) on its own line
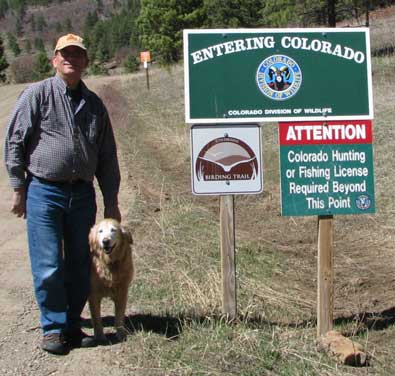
(177, 327)
(212, 347)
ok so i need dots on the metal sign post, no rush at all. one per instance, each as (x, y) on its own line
(146, 74)
(145, 58)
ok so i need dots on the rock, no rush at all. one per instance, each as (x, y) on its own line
(343, 349)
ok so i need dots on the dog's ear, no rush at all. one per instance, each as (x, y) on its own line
(92, 239)
(127, 234)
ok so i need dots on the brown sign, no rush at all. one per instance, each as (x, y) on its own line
(226, 158)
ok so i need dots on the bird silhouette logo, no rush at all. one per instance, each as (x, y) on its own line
(226, 158)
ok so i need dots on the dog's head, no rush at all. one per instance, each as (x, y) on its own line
(108, 236)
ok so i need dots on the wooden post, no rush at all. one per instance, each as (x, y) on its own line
(325, 275)
(147, 76)
(325, 248)
(227, 228)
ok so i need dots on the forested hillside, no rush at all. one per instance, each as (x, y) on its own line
(116, 30)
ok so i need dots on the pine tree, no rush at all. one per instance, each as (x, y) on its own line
(13, 44)
(161, 23)
(58, 27)
(100, 7)
(102, 53)
(39, 45)
(131, 63)
(3, 62)
(42, 68)
(40, 23)
(3, 8)
(68, 25)
(18, 27)
(28, 46)
(232, 13)
(33, 23)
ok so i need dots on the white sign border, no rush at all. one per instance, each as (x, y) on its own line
(227, 129)
(190, 120)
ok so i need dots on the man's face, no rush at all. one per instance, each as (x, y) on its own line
(70, 62)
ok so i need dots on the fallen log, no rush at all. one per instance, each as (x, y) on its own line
(343, 349)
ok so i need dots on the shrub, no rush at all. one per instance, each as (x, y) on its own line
(97, 69)
(3, 62)
(21, 69)
(13, 44)
(131, 63)
(42, 68)
(29, 68)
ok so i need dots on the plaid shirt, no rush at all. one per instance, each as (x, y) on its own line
(46, 138)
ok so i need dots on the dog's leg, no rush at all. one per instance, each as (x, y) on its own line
(94, 306)
(120, 308)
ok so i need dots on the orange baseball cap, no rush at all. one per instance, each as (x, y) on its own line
(69, 40)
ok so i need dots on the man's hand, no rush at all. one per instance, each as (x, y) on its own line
(112, 212)
(19, 202)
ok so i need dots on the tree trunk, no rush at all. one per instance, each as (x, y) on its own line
(331, 13)
(367, 8)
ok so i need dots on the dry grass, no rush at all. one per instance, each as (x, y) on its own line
(177, 326)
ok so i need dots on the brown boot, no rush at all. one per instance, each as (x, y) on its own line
(54, 344)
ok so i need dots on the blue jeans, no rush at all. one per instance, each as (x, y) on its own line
(59, 218)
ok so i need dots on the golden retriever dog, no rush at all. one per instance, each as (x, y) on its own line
(111, 274)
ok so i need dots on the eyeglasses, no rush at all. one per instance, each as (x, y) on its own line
(78, 53)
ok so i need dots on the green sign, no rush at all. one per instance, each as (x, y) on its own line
(326, 168)
(256, 75)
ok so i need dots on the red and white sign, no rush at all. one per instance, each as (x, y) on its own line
(331, 132)
(226, 159)
(145, 56)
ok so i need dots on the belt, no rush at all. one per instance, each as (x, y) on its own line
(60, 182)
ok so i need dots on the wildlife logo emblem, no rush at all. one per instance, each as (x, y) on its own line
(363, 202)
(279, 77)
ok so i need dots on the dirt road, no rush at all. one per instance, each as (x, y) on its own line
(19, 324)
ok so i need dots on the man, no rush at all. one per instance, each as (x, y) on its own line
(59, 137)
